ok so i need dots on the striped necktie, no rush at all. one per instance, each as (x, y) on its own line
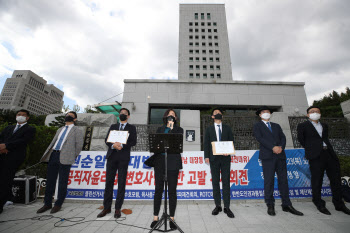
(58, 146)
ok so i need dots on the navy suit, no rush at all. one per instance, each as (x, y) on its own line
(273, 163)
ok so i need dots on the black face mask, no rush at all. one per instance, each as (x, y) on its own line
(123, 117)
(68, 118)
(171, 118)
(218, 116)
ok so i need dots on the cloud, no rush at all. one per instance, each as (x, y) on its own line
(89, 47)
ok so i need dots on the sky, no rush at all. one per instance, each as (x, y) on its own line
(87, 48)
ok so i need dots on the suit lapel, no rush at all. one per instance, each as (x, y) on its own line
(314, 129)
(19, 130)
(265, 128)
(214, 131)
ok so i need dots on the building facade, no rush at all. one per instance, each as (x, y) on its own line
(203, 43)
(27, 90)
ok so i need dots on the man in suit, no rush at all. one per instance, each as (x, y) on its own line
(13, 145)
(219, 163)
(60, 155)
(273, 158)
(313, 136)
(118, 157)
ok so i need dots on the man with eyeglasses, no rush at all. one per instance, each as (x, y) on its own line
(313, 136)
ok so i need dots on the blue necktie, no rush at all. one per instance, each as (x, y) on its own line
(269, 126)
(121, 127)
(17, 128)
(219, 133)
(58, 146)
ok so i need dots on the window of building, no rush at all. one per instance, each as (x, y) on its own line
(205, 67)
(208, 16)
(196, 37)
(217, 59)
(196, 24)
(210, 37)
(211, 59)
(204, 59)
(204, 51)
(209, 30)
(191, 67)
(191, 51)
(203, 30)
(203, 43)
(215, 30)
(197, 44)
(211, 75)
(209, 23)
(191, 75)
(191, 37)
(216, 44)
(214, 24)
(195, 15)
(197, 51)
(218, 67)
(197, 58)
(191, 30)
(203, 37)
(210, 51)
(198, 75)
(204, 75)
(191, 58)
(211, 67)
(216, 51)
(215, 37)
(190, 24)
(197, 67)
(202, 15)
(203, 24)
(191, 43)
(196, 30)
(210, 44)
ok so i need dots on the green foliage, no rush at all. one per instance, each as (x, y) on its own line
(344, 165)
(9, 117)
(59, 121)
(330, 105)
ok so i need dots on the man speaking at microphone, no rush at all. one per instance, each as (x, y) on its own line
(118, 157)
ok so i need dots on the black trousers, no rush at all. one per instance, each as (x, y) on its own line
(221, 164)
(172, 176)
(270, 167)
(54, 169)
(114, 164)
(326, 162)
(8, 168)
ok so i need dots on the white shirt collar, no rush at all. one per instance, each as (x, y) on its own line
(265, 121)
(20, 125)
(69, 126)
(218, 124)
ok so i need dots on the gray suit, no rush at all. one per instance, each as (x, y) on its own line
(71, 147)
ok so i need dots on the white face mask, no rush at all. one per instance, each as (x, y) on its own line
(21, 119)
(266, 116)
(315, 116)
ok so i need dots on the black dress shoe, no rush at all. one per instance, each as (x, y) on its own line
(55, 209)
(216, 210)
(229, 212)
(117, 214)
(103, 213)
(271, 210)
(43, 209)
(324, 210)
(291, 210)
(172, 225)
(154, 223)
(344, 209)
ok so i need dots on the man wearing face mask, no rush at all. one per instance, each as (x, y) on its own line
(118, 157)
(219, 163)
(273, 158)
(60, 155)
(313, 136)
(13, 145)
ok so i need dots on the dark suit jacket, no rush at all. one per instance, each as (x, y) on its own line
(210, 136)
(174, 160)
(124, 153)
(311, 140)
(268, 139)
(16, 143)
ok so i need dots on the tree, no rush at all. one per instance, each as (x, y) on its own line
(59, 121)
(330, 104)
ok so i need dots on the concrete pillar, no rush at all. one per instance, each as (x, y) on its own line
(281, 118)
(346, 109)
(190, 120)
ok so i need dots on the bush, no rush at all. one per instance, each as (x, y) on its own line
(344, 165)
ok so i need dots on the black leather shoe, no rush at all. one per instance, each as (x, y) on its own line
(291, 210)
(344, 209)
(324, 210)
(172, 225)
(55, 209)
(229, 212)
(43, 209)
(216, 210)
(117, 214)
(103, 213)
(271, 210)
(154, 223)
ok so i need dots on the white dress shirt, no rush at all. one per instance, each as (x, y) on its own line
(65, 136)
(319, 129)
(265, 122)
(217, 130)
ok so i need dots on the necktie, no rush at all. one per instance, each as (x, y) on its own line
(219, 133)
(269, 126)
(17, 127)
(121, 127)
(58, 146)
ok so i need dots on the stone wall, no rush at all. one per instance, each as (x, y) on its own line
(346, 109)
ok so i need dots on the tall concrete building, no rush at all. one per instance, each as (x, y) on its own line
(27, 90)
(204, 53)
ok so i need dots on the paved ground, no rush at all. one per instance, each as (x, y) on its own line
(191, 216)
